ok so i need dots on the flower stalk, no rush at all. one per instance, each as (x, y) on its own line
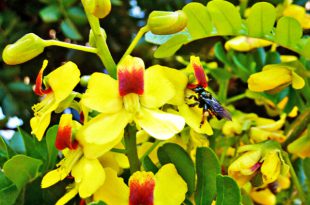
(131, 148)
(102, 48)
(70, 45)
(294, 177)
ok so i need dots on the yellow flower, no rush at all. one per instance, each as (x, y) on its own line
(264, 158)
(88, 175)
(301, 146)
(268, 129)
(59, 85)
(193, 114)
(134, 97)
(165, 187)
(263, 196)
(274, 78)
(299, 13)
(243, 43)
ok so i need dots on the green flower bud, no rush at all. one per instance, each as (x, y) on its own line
(26, 48)
(166, 22)
(98, 8)
(92, 40)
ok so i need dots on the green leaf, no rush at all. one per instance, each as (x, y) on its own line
(50, 13)
(148, 165)
(199, 22)
(161, 39)
(4, 154)
(171, 46)
(17, 143)
(220, 53)
(77, 15)
(22, 169)
(261, 19)
(51, 149)
(225, 17)
(228, 191)
(68, 3)
(8, 191)
(175, 154)
(306, 49)
(70, 30)
(97, 203)
(34, 148)
(306, 167)
(19, 87)
(207, 167)
(288, 31)
(9, 106)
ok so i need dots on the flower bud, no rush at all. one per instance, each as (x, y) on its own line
(166, 22)
(92, 39)
(26, 48)
(98, 8)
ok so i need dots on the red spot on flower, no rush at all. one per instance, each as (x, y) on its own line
(64, 134)
(256, 166)
(200, 75)
(39, 81)
(141, 186)
(131, 81)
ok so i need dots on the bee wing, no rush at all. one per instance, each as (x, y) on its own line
(217, 108)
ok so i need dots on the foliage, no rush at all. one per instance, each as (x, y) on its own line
(215, 110)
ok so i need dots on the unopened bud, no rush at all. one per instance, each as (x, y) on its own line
(98, 8)
(26, 48)
(166, 22)
(92, 39)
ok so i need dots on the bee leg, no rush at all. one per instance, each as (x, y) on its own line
(193, 97)
(193, 105)
(204, 110)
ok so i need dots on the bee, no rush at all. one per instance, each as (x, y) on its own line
(208, 104)
(204, 99)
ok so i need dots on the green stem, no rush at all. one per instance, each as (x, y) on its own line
(223, 90)
(131, 148)
(102, 48)
(135, 41)
(297, 127)
(70, 45)
(235, 98)
(294, 177)
(154, 145)
(116, 150)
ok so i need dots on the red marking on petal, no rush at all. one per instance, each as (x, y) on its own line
(82, 118)
(191, 86)
(39, 81)
(130, 75)
(64, 134)
(82, 202)
(141, 186)
(200, 75)
(256, 166)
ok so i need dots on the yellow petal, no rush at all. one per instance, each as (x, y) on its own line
(52, 177)
(242, 43)
(108, 160)
(102, 94)
(63, 80)
(67, 197)
(159, 124)
(89, 175)
(114, 191)
(271, 125)
(177, 78)
(193, 119)
(95, 150)
(42, 115)
(263, 197)
(271, 167)
(297, 81)
(270, 78)
(103, 128)
(301, 146)
(245, 163)
(158, 90)
(170, 188)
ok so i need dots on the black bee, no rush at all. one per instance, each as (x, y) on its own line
(208, 104)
